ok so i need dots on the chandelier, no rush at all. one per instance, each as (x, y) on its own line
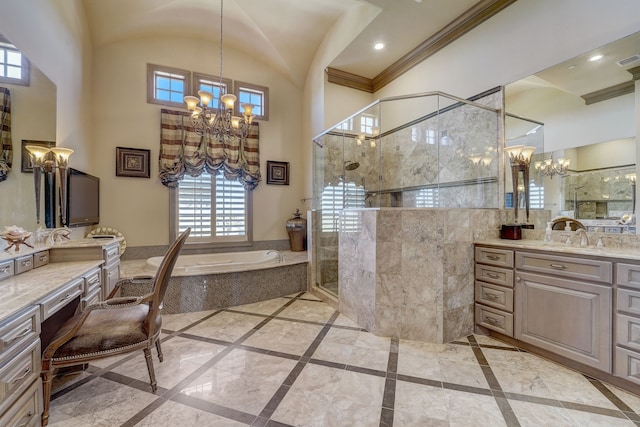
(549, 167)
(220, 121)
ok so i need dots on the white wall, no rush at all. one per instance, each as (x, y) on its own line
(139, 207)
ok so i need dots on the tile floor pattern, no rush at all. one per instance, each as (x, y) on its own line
(295, 361)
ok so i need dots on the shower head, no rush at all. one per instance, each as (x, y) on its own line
(350, 166)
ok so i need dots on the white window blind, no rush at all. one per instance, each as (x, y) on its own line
(536, 196)
(427, 198)
(337, 197)
(215, 208)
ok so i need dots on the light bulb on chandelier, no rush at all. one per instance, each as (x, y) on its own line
(220, 121)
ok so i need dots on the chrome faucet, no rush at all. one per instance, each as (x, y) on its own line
(584, 239)
(280, 256)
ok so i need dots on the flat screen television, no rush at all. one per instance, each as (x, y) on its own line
(83, 199)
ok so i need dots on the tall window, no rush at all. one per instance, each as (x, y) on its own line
(167, 86)
(249, 93)
(14, 66)
(216, 209)
(212, 85)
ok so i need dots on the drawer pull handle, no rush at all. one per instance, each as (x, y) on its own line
(94, 280)
(66, 297)
(491, 297)
(26, 263)
(493, 257)
(24, 375)
(558, 266)
(26, 418)
(5, 269)
(43, 258)
(493, 275)
(22, 334)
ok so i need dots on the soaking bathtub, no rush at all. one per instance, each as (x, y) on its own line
(220, 263)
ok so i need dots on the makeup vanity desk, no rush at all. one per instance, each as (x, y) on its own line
(40, 288)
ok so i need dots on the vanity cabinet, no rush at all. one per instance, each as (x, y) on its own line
(627, 319)
(20, 386)
(494, 289)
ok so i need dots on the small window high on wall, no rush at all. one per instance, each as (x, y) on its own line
(14, 66)
(167, 86)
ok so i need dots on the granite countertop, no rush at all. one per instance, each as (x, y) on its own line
(630, 253)
(38, 247)
(19, 292)
(138, 267)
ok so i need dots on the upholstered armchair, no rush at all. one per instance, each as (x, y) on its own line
(114, 326)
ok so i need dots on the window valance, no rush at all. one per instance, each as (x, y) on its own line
(6, 146)
(182, 151)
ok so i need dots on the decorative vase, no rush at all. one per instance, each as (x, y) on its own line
(297, 230)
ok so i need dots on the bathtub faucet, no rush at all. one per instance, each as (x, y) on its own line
(280, 256)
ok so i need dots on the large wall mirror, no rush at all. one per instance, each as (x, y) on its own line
(587, 168)
(33, 117)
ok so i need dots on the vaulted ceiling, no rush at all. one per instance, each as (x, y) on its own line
(287, 33)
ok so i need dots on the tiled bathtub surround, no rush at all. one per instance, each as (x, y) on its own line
(408, 273)
(295, 361)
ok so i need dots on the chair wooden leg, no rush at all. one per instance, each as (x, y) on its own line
(46, 393)
(159, 348)
(152, 373)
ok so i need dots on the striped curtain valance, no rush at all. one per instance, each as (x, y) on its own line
(182, 151)
(6, 146)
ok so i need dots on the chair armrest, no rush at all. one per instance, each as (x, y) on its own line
(134, 279)
(115, 303)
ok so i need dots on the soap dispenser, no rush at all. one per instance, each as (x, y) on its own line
(547, 233)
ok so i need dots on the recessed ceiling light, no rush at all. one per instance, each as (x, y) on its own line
(378, 46)
(595, 58)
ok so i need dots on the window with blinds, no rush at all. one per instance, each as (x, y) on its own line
(427, 198)
(536, 196)
(335, 198)
(215, 208)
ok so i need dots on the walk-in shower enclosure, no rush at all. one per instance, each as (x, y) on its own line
(429, 150)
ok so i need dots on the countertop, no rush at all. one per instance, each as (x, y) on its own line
(628, 253)
(21, 291)
(38, 247)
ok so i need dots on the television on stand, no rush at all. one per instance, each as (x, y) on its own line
(83, 199)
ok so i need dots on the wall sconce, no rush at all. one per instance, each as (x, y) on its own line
(43, 163)
(550, 168)
(520, 159)
(479, 160)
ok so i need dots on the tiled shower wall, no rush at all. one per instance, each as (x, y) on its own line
(408, 273)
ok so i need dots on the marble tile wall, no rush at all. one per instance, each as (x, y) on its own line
(408, 273)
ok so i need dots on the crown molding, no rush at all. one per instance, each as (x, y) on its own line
(464, 23)
(615, 90)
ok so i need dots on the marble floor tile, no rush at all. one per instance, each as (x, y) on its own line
(249, 366)
(284, 336)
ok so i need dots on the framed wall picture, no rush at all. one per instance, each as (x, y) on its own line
(277, 173)
(26, 166)
(133, 162)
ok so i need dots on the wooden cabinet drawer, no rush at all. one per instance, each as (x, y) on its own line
(23, 264)
(26, 411)
(20, 371)
(628, 300)
(40, 259)
(111, 252)
(495, 275)
(627, 364)
(578, 268)
(111, 277)
(494, 319)
(6, 269)
(92, 298)
(628, 275)
(492, 256)
(60, 298)
(92, 281)
(628, 331)
(19, 329)
(495, 296)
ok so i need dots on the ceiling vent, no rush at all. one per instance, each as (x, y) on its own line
(631, 61)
